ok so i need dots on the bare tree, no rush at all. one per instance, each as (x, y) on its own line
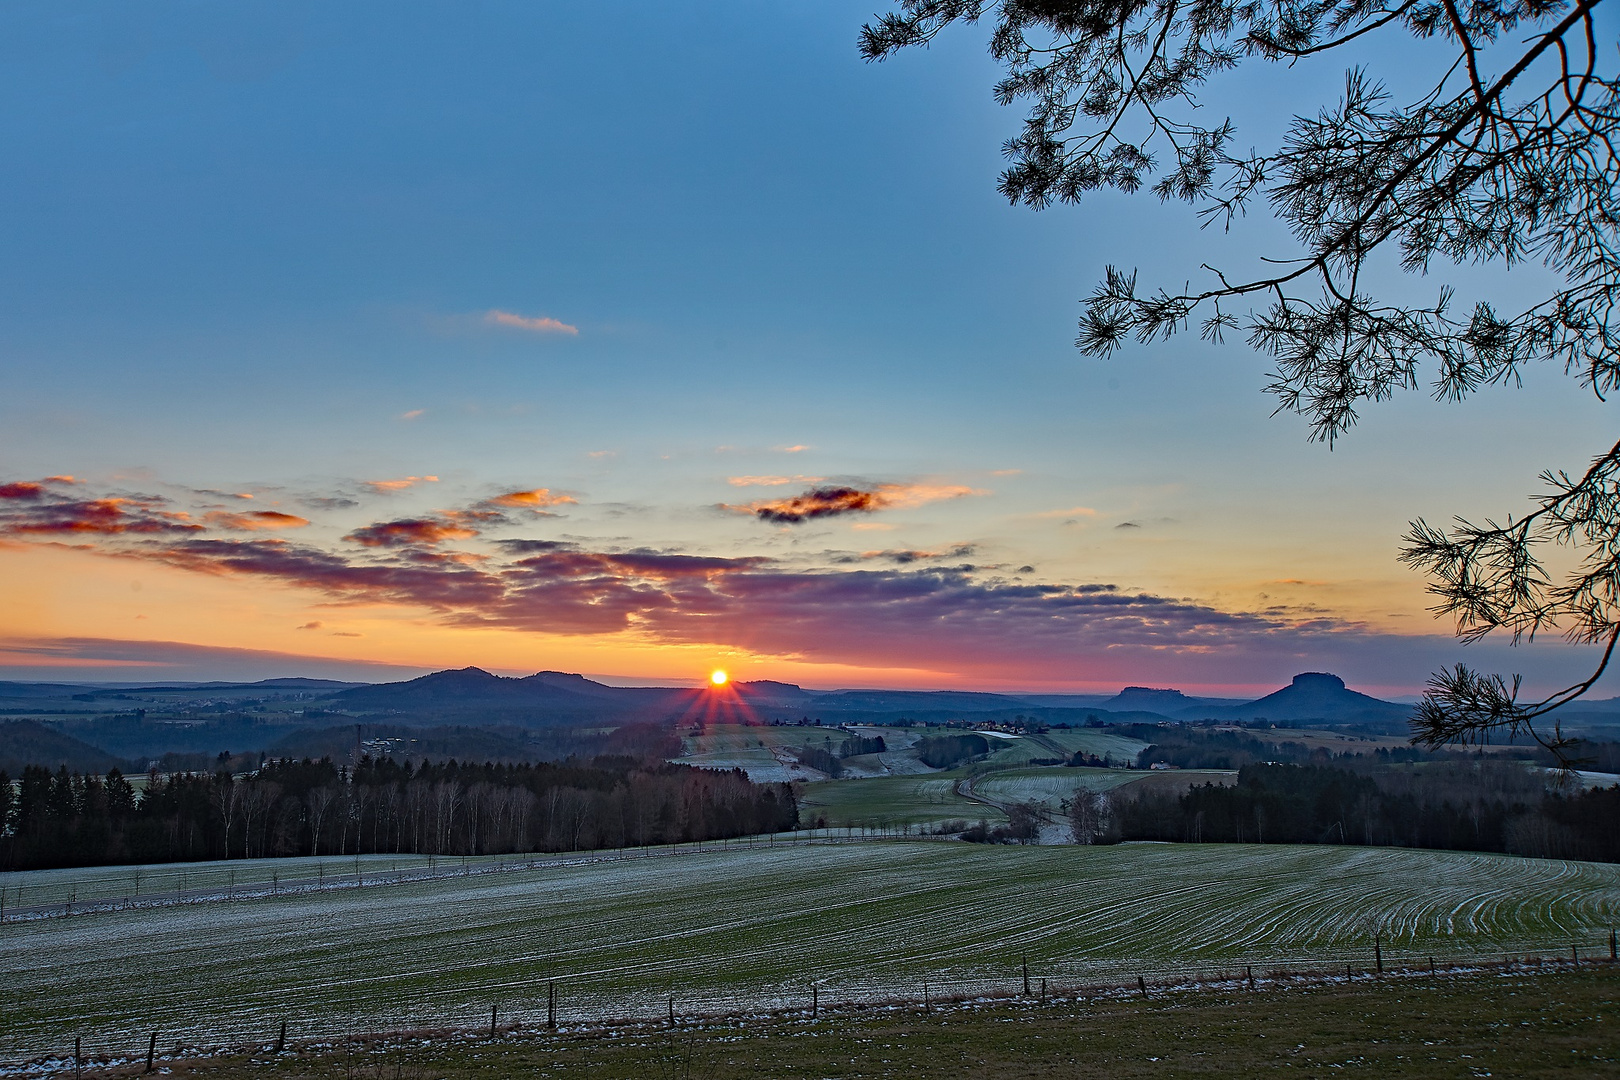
(1508, 156)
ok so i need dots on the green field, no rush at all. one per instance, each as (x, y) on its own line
(754, 928)
(1550, 1023)
(886, 801)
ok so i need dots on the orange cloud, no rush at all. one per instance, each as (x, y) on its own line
(381, 486)
(255, 520)
(540, 325)
(409, 531)
(797, 448)
(834, 501)
(412, 414)
(538, 499)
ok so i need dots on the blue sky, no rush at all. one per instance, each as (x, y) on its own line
(255, 249)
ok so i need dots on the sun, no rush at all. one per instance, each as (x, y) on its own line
(718, 677)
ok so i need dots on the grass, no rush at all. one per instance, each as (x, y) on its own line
(1050, 785)
(755, 928)
(1520, 1025)
(891, 800)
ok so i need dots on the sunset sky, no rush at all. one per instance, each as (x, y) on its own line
(362, 340)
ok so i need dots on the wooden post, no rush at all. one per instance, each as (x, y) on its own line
(672, 1010)
(815, 1001)
(1614, 947)
(1574, 957)
(1141, 984)
(492, 1009)
(151, 1051)
(1431, 965)
(1378, 952)
(1248, 971)
(1026, 976)
(281, 1038)
(78, 1056)
(1043, 989)
(551, 1004)
(926, 1009)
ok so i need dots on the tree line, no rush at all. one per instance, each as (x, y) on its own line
(310, 807)
(1473, 805)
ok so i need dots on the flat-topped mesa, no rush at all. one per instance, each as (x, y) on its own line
(1318, 680)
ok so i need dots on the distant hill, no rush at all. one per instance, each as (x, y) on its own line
(1146, 699)
(1318, 697)
(23, 742)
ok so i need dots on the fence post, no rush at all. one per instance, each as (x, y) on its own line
(1141, 984)
(1614, 952)
(1248, 972)
(815, 1001)
(1574, 957)
(281, 1038)
(151, 1051)
(1378, 952)
(492, 1009)
(926, 1009)
(1026, 976)
(672, 1010)
(551, 1004)
(1043, 990)
(78, 1056)
(1431, 965)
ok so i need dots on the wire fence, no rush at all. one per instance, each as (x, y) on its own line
(565, 1004)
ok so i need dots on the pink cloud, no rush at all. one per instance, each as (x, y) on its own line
(537, 324)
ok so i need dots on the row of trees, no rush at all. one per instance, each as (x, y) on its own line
(318, 808)
(1466, 806)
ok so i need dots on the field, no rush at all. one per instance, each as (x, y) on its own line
(1551, 1023)
(756, 928)
(1053, 785)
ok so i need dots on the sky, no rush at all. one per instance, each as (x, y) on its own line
(635, 339)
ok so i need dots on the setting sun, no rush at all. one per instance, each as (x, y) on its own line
(718, 677)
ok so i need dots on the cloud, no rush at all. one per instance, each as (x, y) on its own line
(905, 557)
(1071, 512)
(22, 489)
(409, 531)
(47, 513)
(255, 520)
(537, 499)
(413, 414)
(1127, 525)
(540, 325)
(771, 481)
(826, 502)
(310, 626)
(103, 658)
(797, 448)
(601, 453)
(385, 486)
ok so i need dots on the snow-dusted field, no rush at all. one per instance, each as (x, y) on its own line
(755, 928)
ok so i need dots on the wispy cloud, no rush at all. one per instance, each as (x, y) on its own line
(825, 502)
(255, 520)
(796, 448)
(772, 481)
(383, 487)
(541, 324)
(413, 414)
(1071, 512)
